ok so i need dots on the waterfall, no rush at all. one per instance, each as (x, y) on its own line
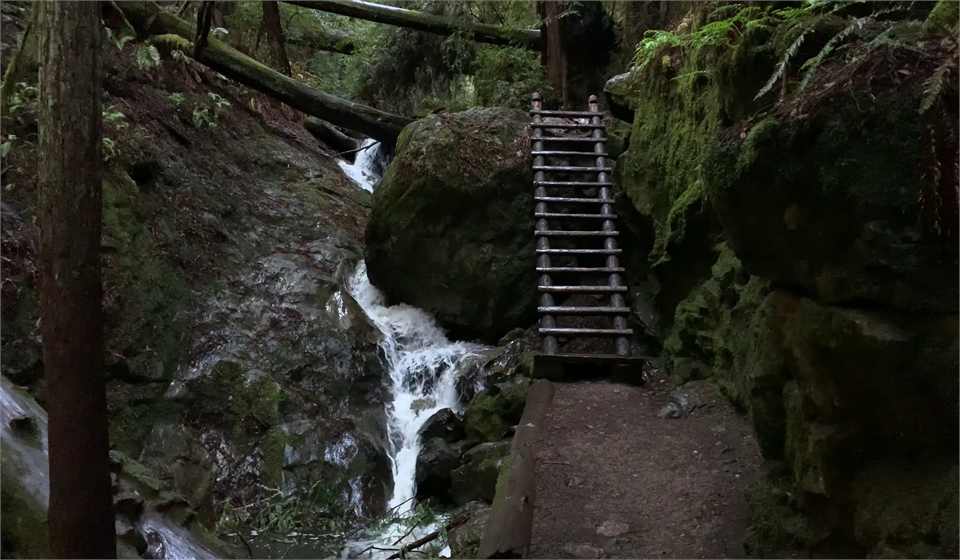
(25, 457)
(365, 170)
(421, 362)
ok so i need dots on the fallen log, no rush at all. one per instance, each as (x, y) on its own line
(148, 19)
(510, 525)
(330, 42)
(481, 32)
(329, 135)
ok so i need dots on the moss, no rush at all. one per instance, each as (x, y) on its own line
(145, 297)
(762, 132)
(131, 425)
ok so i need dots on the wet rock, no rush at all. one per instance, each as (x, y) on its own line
(476, 478)
(464, 540)
(495, 365)
(682, 402)
(436, 461)
(493, 412)
(128, 534)
(175, 454)
(129, 504)
(511, 336)
(450, 226)
(444, 424)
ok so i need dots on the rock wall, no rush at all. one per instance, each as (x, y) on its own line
(795, 264)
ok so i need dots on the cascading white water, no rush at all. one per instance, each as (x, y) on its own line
(361, 171)
(421, 362)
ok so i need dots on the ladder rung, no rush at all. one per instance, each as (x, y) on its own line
(571, 184)
(579, 269)
(567, 139)
(573, 169)
(561, 233)
(568, 199)
(579, 251)
(583, 289)
(560, 215)
(580, 310)
(565, 153)
(586, 332)
(567, 125)
(570, 114)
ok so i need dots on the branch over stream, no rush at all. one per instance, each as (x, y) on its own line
(148, 19)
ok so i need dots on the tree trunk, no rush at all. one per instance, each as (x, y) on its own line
(554, 55)
(330, 42)
(483, 33)
(274, 29)
(384, 127)
(80, 514)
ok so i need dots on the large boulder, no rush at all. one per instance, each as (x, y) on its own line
(833, 204)
(494, 411)
(444, 424)
(476, 478)
(451, 230)
(436, 461)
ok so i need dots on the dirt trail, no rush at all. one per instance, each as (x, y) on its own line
(616, 481)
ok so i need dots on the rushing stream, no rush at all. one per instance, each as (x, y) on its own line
(421, 362)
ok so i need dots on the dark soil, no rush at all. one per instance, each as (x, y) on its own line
(616, 481)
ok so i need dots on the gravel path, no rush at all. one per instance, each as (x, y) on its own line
(616, 481)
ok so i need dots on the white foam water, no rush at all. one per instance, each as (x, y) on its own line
(422, 366)
(361, 171)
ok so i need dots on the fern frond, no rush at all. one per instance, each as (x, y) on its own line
(934, 85)
(782, 65)
(814, 63)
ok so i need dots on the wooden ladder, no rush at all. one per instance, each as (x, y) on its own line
(576, 223)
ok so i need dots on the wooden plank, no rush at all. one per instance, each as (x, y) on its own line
(586, 332)
(580, 251)
(561, 233)
(582, 289)
(562, 215)
(572, 169)
(573, 184)
(571, 199)
(567, 114)
(565, 153)
(582, 310)
(571, 126)
(569, 138)
(588, 270)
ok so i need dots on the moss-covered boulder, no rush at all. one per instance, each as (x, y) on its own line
(476, 479)
(832, 204)
(452, 221)
(493, 412)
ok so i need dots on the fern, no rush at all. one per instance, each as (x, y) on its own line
(781, 67)
(812, 64)
(147, 56)
(654, 40)
(935, 85)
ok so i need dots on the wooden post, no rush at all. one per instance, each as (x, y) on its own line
(549, 342)
(554, 55)
(616, 300)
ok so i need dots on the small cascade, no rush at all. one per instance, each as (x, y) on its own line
(24, 437)
(422, 363)
(367, 166)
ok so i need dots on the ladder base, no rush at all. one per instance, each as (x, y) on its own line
(573, 367)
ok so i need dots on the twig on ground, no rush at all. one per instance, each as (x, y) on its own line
(460, 520)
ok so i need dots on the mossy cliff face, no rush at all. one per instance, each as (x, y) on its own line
(452, 221)
(791, 265)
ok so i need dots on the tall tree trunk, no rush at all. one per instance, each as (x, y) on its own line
(81, 519)
(391, 15)
(274, 29)
(554, 54)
